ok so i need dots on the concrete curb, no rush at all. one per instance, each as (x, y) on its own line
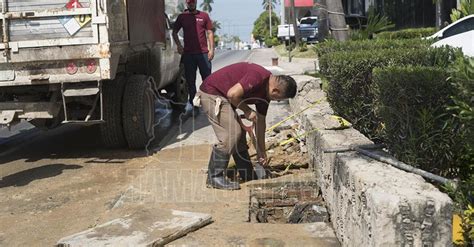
(370, 203)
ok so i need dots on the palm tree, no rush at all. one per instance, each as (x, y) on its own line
(206, 5)
(216, 25)
(236, 40)
(266, 4)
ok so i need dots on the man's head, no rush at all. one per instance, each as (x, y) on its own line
(191, 4)
(281, 87)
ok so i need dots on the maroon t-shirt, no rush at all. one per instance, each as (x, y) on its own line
(252, 77)
(194, 27)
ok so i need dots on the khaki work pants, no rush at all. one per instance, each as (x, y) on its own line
(225, 122)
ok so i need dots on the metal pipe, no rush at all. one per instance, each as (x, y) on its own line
(405, 167)
(5, 25)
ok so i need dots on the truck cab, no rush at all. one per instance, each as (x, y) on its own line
(88, 62)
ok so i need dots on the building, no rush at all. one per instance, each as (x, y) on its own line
(404, 13)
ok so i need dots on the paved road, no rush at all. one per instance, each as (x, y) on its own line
(77, 141)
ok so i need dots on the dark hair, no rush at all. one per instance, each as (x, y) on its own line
(288, 84)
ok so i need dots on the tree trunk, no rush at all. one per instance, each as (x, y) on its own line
(337, 21)
(293, 22)
(439, 14)
(323, 25)
(270, 16)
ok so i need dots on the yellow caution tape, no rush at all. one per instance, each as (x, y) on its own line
(293, 115)
(457, 230)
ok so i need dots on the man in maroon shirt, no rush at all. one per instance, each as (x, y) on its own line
(221, 94)
(195, 24)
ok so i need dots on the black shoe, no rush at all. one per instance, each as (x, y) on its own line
(244, 166)
(216, 173)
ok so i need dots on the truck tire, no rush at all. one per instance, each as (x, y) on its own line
(180, 92)
(138, 111)
(112, 130)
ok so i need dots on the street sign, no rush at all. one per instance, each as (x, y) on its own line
(74, 24)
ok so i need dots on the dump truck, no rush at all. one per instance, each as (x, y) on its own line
(88, 62)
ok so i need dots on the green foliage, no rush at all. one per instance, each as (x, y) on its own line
(350, 90)
(463, 197)
(206, 5)
(410, 33)
(216, 25)
(466, 8)
(462, 108)
(270, 42)
(375, 24)
(261, 27)
(266, 5)
(334, 46)
(412, 101)
(303, 47)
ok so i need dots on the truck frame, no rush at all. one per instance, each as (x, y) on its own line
(88, 62)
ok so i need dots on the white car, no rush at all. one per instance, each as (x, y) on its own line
(458, 34)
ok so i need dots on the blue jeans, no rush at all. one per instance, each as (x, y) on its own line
(191, 63)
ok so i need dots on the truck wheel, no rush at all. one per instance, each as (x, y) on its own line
(138, 111)
(112, 130)
(180, 90)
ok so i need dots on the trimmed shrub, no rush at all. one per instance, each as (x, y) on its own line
(410, 33)
(412, 101)
(350, 91)
(354, 45)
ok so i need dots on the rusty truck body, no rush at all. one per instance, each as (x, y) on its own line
(88, 62)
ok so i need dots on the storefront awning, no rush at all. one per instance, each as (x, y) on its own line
(300, 3)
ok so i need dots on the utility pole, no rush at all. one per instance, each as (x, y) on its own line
(293, 22)
(270, 16)
(337, 21)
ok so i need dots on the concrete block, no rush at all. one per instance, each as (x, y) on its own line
(370, 203)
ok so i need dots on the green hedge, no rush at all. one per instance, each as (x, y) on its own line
(410, 33)
(350, 91)
(355, 45)
(412, 102)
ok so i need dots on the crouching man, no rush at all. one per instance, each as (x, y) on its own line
(236, 87)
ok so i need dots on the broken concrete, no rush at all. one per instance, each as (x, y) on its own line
(143, 228)
(370, 203)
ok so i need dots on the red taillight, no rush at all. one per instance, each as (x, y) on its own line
(91, 66)
(71, 68)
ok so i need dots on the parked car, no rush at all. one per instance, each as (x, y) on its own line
(458, 34)
(356, 21)
(286, 32)
(309, 29)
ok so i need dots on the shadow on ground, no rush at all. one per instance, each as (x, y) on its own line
(27, 176)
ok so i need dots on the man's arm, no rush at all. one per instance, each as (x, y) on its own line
(210, 37)
(176, 40)
(235, 95)
(176, 28)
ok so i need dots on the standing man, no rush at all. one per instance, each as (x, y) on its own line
(195, 24)
(221, 94)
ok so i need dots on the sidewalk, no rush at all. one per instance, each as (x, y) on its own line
(298, 66)
(180, 170)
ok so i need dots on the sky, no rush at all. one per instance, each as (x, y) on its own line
(237, 16)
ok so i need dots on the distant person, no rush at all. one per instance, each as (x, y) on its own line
(221, 94)
(196, 53)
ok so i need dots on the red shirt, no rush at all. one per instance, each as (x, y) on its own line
(194, 27)
(252, 77)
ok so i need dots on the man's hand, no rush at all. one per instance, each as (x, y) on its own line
(180, 49)
(210, 55)
(262, 158)
(251, 116)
